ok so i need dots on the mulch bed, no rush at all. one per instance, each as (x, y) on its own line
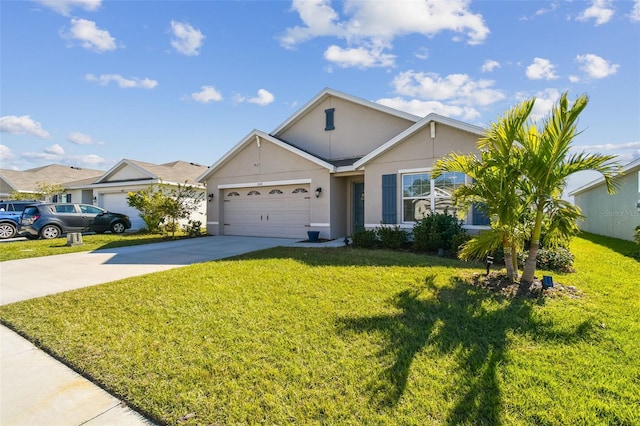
(498, 282)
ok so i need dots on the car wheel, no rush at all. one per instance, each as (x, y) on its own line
(117, 228)
(50, 232)
(7, 230)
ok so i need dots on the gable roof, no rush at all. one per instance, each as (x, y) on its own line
(173, 173)
(256, 136)
(326, 93)
(53, 174)
(629, 167)
(436, 118)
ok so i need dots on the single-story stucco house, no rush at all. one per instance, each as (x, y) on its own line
(339, 164)
(27, 181)
(110, 190)
(613, 215)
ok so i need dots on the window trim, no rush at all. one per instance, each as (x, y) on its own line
(432, 190)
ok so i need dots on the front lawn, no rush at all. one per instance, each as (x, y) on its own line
(347, 336)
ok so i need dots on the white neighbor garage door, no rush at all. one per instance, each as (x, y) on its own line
(269, 211)
(117, 203)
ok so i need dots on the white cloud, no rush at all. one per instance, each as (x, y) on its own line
(263, 98)
(375, 23)
(422, 53)
(600, 10)
(423, 108)
(635, 12)
(489, 65)
(595, 66)
(22, 125)
(90, 36)
(64, 7)
(608, 147)
(541, 69)
(360, 57)
(206, 95)
(54, 149)
(455, 88)
(544, 102)
(125, 83)
(5, 154)
(187, 40)
(80, 139)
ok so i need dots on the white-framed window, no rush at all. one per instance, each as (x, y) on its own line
(421, 194)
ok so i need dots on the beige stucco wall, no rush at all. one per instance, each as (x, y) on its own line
(358, 130)
(261, 165)
(418, 151)
(613, 215)
(128, 173)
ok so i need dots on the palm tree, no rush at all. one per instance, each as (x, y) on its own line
(547, 163)
(496, 177)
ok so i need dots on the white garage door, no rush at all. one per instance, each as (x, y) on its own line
(117, 203)
(270, 211)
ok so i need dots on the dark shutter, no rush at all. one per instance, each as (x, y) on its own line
(329, 124)
(389, 200)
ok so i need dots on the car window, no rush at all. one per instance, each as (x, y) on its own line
(30, 211)
(18, 207)
(65, 208)
(90, 209)
(3, 207)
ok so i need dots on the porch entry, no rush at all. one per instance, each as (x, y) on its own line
(357, 207)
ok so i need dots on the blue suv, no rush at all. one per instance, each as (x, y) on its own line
(10, 212)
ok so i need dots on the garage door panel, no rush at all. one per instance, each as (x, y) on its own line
(278, 211)
(117, 203)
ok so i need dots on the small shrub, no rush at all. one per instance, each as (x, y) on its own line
(557, 259)
(458, 240)
(193, 228)
(435, 231)
(391, 237)
(365, 238)
(636, 237)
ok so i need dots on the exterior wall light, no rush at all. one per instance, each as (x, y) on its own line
(318, 192)
(210, 196)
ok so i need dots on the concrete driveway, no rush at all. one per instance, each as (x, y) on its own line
(29, 278)
(36, 389)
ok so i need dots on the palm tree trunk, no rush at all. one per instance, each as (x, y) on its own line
(530, 264)
(508, 263)
(514, 260)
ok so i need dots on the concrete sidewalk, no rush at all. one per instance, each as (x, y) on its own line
(35, 388)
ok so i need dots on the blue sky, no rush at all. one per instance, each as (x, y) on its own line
(90, 82)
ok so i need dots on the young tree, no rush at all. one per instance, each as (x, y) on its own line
(547, 164)
(162, 203)
(496, 179)
(48, 190)
(150, 202)
(182, 201)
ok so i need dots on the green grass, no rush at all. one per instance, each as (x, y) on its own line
(13, 250)
(345, 336)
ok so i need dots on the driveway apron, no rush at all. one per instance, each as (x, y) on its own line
(35, 388)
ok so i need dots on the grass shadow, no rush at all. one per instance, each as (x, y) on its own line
(454, 320)
(349, 256)
(623, 247)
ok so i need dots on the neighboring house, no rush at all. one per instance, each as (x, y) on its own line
(614, 215)
(27, 181)
(338, 165)
(110, 190)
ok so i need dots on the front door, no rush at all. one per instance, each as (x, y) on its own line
(358, 206)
